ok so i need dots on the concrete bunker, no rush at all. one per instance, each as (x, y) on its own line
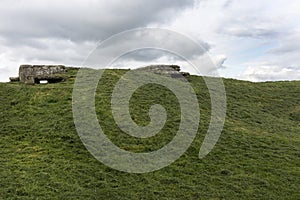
(172, 71)
(36, 74)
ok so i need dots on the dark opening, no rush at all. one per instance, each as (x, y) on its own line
(37, 81)
(48, 80)
(55, 80)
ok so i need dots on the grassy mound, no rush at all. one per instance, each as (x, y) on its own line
(257, 155)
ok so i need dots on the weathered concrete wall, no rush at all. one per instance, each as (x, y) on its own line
(160, 68)
(30, 74)
(168, 70)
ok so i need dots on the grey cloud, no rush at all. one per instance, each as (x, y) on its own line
(290, 43)
(250, 27)
(81, 20)
(287, 48)
(144, 45)
(227, 3)
(64, 32)
(219, 62)
(146, 55)
(24, 42)
(255, 21)
(151, 55)
(251, 32)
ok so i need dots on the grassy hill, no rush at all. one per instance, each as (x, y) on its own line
(256, 157)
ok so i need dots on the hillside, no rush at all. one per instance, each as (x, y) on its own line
(257, 155)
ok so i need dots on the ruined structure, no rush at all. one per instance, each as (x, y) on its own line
(168, 70)
(34, 74)
(31, 74)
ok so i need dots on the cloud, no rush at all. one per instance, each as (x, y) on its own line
(78, 20)
(261, 41)
(239, 35)
(265, 20)
(147, 46)
(251, 31)
(54, 31)
(288, 44)
(219, 61)
(270, 73)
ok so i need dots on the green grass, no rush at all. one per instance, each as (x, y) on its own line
(256, 157)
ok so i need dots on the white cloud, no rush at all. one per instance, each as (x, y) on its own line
(270, 73)
(250, 35)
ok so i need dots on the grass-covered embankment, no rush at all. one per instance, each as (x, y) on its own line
(257, 155)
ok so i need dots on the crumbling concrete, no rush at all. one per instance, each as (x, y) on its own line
(34, 74)
(168, 70)
(31, 74)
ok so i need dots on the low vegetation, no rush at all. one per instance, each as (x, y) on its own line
(257, 155)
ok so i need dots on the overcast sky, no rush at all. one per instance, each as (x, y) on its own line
(246, 39)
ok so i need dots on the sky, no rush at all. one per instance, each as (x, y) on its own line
(246, 39)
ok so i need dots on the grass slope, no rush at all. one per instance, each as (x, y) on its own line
(257, 155)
